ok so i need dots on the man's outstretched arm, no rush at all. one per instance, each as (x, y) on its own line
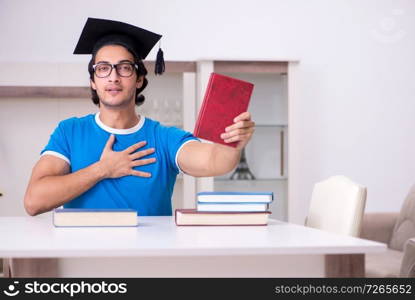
(206, 160)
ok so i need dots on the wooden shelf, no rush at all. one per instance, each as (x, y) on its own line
(45, 92)
(221, 66)
(83, 91)
(278, 67)
(172, 66)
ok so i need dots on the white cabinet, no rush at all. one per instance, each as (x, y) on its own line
(267, 152)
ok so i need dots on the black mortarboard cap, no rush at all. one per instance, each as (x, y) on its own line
(101, 32)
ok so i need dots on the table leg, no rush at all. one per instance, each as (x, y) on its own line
(345, 265)
(6, 267)
(30, 267)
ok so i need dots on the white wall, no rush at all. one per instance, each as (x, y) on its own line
(353, 109)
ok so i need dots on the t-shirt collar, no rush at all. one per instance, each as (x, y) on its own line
(120, 131)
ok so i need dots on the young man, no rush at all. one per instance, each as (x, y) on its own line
(116, 158)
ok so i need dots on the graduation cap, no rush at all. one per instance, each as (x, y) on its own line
(100, 32)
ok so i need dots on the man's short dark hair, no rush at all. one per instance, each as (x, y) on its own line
(141, 71)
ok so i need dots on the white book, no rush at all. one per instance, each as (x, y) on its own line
(80, 217)
(263, 197)
(253, 207)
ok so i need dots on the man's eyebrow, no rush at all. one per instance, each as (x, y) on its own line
(107, 62)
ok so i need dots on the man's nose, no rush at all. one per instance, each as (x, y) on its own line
(114, 77)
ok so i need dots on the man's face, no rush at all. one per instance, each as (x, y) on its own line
(115, 91)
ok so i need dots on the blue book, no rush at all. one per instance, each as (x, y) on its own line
(83, 217)
(235, 197)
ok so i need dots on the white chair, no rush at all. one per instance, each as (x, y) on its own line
(337, 205)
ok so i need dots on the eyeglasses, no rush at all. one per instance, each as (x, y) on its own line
(123, 69)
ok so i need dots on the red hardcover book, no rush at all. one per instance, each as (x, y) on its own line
(225, 98)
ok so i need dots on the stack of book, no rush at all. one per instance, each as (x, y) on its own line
(227, 208)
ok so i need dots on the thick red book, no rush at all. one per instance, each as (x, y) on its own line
(225, 98)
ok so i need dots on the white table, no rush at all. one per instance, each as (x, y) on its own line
(158, 248)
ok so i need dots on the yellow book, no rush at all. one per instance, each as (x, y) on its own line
(188, 217)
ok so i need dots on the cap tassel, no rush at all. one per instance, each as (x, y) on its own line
(160, 66)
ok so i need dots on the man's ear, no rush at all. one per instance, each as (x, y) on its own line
(140, 81)
(93, 86)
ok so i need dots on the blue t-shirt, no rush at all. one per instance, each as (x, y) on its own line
(80, 142)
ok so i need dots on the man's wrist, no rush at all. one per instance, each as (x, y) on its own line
(100, 170)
